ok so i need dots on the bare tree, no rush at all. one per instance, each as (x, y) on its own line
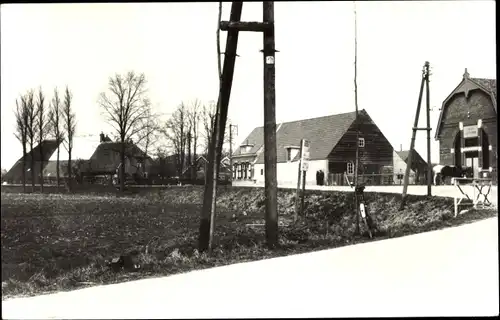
(176, 133)
(21, 114)
(207, 117)
(147, 139)
(43, 130)
(125, 108)
(55, 120)
(69, 122)
(194, 116)
(208, 121)
(32, 131)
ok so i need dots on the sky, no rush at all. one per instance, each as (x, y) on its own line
(174, 45)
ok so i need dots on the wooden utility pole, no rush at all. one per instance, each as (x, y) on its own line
(233, 27)
(425, 80)
(356, 165)
(214, 153)
(428, 129)
(270, 154)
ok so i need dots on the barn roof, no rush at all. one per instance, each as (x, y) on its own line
(83, 148)
(48, 148)
(50, 169)
(404, 155)
(323, 132)
(489, 86)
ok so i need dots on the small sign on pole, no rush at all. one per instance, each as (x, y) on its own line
(303, 167)
(304, 155)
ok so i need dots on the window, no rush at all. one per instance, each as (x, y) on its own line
(291, 153)
(261, 172)
(350, 168)
(361, 142)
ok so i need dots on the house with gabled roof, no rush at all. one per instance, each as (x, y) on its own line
(418, 170)
(14, 175)
(332, 149)
(467, 126)
(97, 155)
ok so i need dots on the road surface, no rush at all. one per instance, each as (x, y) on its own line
(452, 272)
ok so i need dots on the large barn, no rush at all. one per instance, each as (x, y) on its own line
(332, 150)
(467, 127)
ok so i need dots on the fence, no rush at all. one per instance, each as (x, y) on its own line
(372, 179)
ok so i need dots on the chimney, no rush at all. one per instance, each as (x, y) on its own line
(466, 74)
(401, 147)
(101, 137)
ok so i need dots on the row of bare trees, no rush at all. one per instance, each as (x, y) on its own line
(126, 107)
(37, 121)
(189, 131)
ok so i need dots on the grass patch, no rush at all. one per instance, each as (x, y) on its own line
(53, 242)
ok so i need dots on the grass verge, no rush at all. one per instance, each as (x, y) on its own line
(54, 242)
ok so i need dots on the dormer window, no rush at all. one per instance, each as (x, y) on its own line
(291, 152)
(246, 148)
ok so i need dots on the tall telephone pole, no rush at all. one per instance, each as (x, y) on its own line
(233, 27)
(424, 82)
(270, 152)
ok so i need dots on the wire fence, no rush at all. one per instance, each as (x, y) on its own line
(374, 179)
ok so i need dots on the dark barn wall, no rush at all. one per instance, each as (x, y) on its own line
(481, 107)
(377, 149)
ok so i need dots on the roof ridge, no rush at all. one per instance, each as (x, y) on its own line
(483, 78)
(300, 120)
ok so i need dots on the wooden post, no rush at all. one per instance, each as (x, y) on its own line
(462, 145)
(428, 114)
(480, 148)
(207, 221)
(413, 135)
(302, 194)
(297, 194)
(270, 152)
(231, 152)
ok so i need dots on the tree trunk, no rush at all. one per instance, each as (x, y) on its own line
(32, 168)
(122, 167)
(70, 167)
(57, 169)
(41, 167)
(189, 157)
(24, 168)
(194, 168)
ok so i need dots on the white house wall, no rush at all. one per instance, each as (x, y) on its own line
(400, 167)
(287, 172)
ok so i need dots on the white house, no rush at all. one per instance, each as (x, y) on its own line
(332, 149)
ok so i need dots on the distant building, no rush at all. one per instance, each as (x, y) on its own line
(14, 175)
(418, 171)
(467, 126)
(90, 157)
(332, 150)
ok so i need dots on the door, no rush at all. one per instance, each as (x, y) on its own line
(473, 163)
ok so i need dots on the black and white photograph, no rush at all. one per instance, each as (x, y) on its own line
(273, 159)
